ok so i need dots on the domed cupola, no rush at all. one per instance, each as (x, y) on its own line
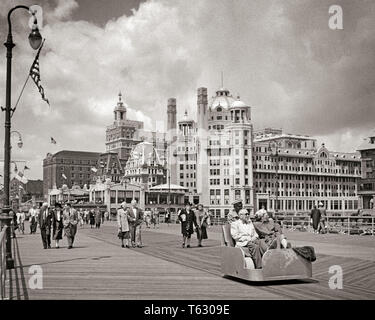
(120, 109)
(222, 99)
(239, 111)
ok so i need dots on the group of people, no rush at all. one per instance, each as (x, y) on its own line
(193, 218)
(255, 237)
(129, 222)
(53, 222)
(151, 218)
(94, 217)
(318, 218)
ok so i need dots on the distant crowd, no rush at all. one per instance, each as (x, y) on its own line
(59, 220)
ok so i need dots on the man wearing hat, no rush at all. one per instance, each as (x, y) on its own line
(70, 221)
(44, 220)
(237, 206)
(135, 221)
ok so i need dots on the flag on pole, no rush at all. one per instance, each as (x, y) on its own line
(94, 169)
(20, 177)
(26, 168)
(53, 140)
(64, 176)
(35, 74)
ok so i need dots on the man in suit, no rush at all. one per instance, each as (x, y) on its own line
(315, 219)
(44, 221)
(135, 221)
(70, 221)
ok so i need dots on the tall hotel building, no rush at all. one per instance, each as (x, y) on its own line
(219, 158)
(214, 154)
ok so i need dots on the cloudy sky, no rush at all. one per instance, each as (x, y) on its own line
(279, 56)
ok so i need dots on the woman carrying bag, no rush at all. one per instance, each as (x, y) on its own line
(203, 222)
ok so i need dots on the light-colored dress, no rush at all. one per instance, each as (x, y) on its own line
(123, 224)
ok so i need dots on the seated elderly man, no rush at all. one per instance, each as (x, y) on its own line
(243, 232)
(233, 216)
(269, 230)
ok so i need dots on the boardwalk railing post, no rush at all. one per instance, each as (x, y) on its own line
(372, 225)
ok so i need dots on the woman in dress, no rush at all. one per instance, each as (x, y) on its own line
(187, 219)
(123, 225)
(203, 222)
(57, 224)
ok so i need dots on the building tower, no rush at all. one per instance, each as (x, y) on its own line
(241, 133)
(122, 135)
(202, 143)
(171, 139)
(172, 112)
(120, 110)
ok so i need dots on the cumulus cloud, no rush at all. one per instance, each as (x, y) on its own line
(280, 56)
(64, 8)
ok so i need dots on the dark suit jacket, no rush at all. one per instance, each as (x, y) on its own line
(137, 219)
(45, 222)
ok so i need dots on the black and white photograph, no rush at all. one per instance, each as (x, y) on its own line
(187, 153)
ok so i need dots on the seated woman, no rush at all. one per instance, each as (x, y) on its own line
(270, 231)
(243, 232)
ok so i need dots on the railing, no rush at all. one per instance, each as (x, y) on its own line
(360, 225)
(2, 262)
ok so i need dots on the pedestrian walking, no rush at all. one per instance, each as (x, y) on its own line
(167, 217)
(70, 221)
(98, 217)
(154, 217)
(21, 221)
(135, 223)
(45, 222)
(315, 218)
(123, 225)
(323, 216)
(148, 218)
(203, 222)
(188, 221)
(57, 224)
(33, 219)
(81, 218)
(92, 219)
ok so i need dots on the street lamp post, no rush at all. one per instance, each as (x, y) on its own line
(35, 40)
(169, 189)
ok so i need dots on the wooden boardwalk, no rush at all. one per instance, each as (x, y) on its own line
(98, 268)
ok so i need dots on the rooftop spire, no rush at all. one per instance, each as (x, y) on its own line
(119, 96)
